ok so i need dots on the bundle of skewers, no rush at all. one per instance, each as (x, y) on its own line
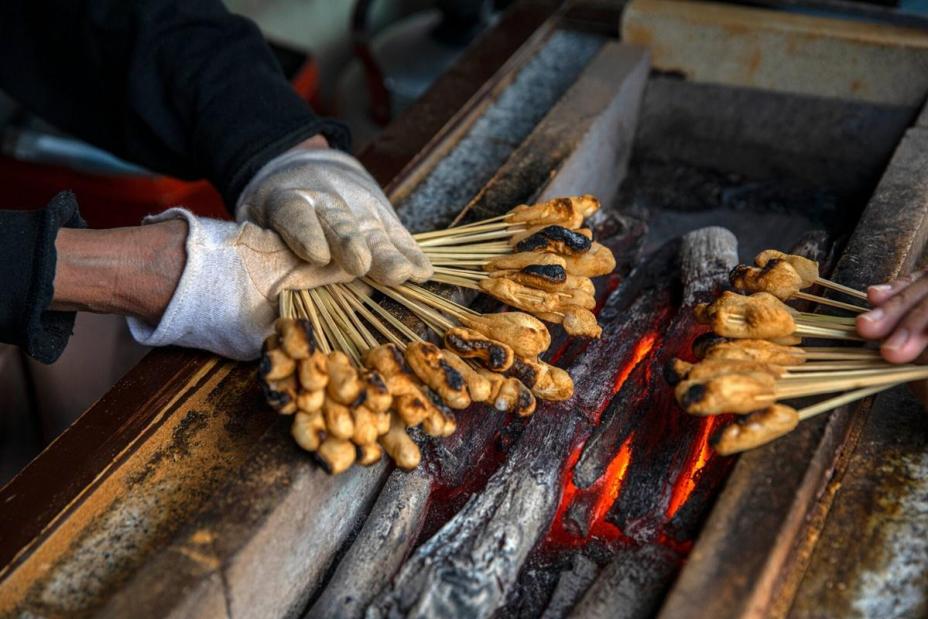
(754, 358)
(356, 378)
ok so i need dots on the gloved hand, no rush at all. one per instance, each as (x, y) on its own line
(326, 207)
(226, 299)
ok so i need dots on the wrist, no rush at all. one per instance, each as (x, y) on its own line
(130, 271)
(315, 142)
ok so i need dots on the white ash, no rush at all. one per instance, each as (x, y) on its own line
(498, 132)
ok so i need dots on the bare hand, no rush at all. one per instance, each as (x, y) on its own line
(899, 317)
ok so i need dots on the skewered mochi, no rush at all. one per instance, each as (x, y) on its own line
(471, 344)
(477, 386)
(525, 334)
(553, 239)
(399, 446)
(520, 260)
(711, 346)
(548, 277)
(537, 302)
(568, 212)
(429, 365)
(344, 385)
(679, 370)
(529, 371)
(595, 262)
(580, 322)
(337, 454)
(807, 269)
(756, 429)
(759, 316)
(296, 337)
(776, 277)
(730, 393)
(555, 385)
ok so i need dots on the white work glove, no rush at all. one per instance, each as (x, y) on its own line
(226, 299)
(327, 208)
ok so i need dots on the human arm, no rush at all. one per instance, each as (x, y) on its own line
(180, 280)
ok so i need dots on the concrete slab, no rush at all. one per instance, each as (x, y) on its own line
(782, 51)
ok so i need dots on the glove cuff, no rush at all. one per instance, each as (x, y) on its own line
(208, 295)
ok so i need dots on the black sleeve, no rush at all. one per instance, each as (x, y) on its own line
(27, 278)
(182, 87)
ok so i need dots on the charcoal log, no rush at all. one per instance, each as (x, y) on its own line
(632, 586)
(380, 547)
(467, 568)
(706, 257)
(571, 586)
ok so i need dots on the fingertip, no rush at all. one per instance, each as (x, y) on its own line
(900, 347)
(355, 258)
(870, 324)
(879, 293)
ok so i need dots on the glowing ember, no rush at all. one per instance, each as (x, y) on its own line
(644, 346)
(606, 489)
(612, 485)
(699, 456)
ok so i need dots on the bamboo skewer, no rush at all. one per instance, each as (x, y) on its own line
(805, 296)
(469, 238)
(829, 366)
(827, 283)
(846, 398)
(852, 382)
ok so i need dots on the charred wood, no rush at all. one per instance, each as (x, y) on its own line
(466, 569)
(632, 586)
(379, 548)
(571, 586)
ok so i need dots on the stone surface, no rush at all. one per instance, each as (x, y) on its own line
(499, 130)
(839, 144)
(782, 51)
(871, 560)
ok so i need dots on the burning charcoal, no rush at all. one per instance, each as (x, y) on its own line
(571, 586)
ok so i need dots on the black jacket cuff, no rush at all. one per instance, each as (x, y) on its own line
(27, 277)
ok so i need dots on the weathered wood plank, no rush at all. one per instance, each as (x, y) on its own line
(871, 559)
